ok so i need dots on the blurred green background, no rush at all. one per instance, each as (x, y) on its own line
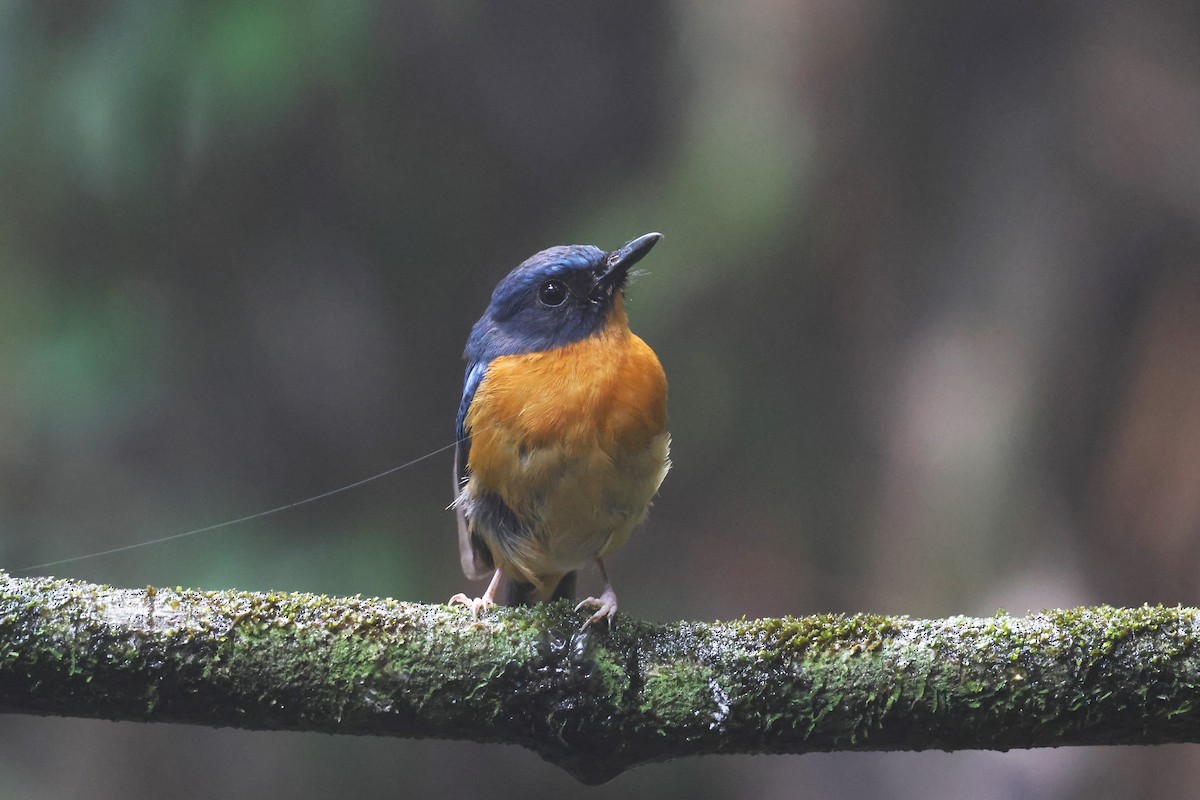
(928, 301)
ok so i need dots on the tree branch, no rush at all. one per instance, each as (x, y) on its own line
(599, 702)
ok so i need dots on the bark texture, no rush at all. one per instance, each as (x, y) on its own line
(599, 702)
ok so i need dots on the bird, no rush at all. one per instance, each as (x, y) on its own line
(561, 432)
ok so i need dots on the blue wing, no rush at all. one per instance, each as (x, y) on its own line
(476, 559)
(475, 372)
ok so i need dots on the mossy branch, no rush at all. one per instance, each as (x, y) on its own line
(599, 702)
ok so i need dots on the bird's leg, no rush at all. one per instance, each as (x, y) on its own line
(605, 605)
(478, 604)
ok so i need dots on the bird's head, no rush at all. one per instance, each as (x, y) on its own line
(558, 296)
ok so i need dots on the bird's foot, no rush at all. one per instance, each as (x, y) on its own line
(478, 604)
(605, 605)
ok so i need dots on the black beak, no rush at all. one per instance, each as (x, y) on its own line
(616, 265)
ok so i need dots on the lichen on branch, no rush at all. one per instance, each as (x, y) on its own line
(598, 702)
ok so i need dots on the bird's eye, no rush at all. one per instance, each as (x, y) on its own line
(552, 293)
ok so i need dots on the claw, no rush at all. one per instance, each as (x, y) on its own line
(478, 604)
(605, 604)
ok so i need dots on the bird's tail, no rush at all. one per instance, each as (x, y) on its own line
(516, 593)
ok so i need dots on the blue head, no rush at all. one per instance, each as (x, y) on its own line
(558, 296)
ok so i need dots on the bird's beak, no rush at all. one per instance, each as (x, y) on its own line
(616, 265)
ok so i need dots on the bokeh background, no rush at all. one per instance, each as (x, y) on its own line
(928, 301)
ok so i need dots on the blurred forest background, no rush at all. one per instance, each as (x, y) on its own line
(928, 301)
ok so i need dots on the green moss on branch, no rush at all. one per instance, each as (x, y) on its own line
(599, 702)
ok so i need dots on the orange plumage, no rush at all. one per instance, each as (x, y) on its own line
(607, 391)
(562, 427)
(576, 439)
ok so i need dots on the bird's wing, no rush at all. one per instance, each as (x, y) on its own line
(476, 561)
(475, 372)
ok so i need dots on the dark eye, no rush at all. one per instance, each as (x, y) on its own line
(552, 293)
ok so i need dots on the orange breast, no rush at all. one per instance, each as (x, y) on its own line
(606, 392)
